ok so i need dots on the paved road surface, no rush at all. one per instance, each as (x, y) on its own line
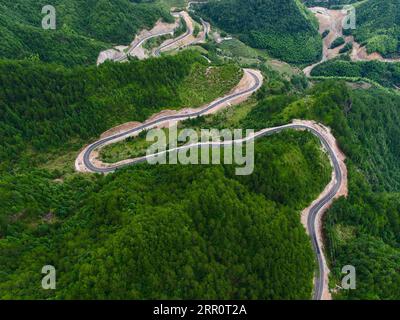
(188, 33)
(152, 124)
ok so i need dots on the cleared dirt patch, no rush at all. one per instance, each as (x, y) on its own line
(332, 20)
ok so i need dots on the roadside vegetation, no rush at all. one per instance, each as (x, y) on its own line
(386, 74)
(337, 42)
(362, 230)
(226, 227)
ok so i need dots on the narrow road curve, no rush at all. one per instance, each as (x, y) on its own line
(152, 124)
(161, 48)
(132, 48)
(188, 33)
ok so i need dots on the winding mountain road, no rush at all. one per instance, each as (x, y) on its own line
(137, 45)
(163, 47)
(257, 83)
(315, 211)
(183, 40)
(328, 20)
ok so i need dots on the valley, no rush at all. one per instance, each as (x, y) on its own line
(77, 189)
(85, 162)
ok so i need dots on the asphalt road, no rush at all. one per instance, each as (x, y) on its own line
(158, 51)
(152, 124)
(140, 43)
(316, 209)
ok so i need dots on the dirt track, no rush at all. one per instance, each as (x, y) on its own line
(328, 20)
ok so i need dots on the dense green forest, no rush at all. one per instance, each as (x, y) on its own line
(378, 26)
(284, 28)
(193, 232)
(52, 219)
(386, 74)
(186, 231)
(44, 106)
(83, 28)
(337, 42)
(362, 230)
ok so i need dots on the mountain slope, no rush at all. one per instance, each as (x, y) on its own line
(146, 231)
(84, 28)
(362, 230)
(82, 102)
(284, 28)
(386, 74)
(378, 26)
(165, 232)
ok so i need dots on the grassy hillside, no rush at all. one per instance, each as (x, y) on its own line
(284, 28)
(84, 28)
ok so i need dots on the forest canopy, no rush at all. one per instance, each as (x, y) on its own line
(43, 106)
(284, 28)
(378, 26)
(363, 229)
(386, 74)
(83, 28)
